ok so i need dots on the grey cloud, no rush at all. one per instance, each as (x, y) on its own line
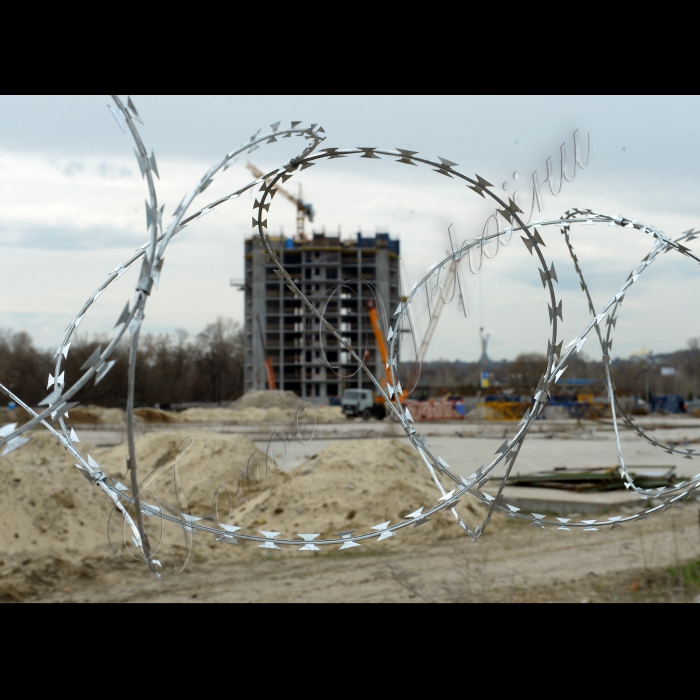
(65, 238)
(109, 171)
(657, 132)
(73, 167)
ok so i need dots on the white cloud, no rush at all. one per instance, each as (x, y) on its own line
(66, 222)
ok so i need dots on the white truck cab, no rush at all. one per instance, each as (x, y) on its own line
(360, 402)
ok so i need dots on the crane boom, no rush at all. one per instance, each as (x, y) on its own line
(381, 345)
(304, 210)
(269, 369)
(432, 325)
(379, 337)
(281, 190)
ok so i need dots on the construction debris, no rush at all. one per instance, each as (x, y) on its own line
(598, 479)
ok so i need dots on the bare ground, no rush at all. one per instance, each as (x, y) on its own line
(653, 561)
(53, 546)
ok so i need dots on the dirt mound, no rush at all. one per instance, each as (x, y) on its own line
(324, 414)
(97, 415)
(155, 415)
(49, 505)
(349, 485)
(82, 415)
(214, 459)
(266, 399)
(7, 416)
(207, 415)
(46, 506)
(16, 415)
(53, 522)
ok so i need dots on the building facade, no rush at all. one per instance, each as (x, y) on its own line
(340, 277)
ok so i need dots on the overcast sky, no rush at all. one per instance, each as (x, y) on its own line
(71, 206)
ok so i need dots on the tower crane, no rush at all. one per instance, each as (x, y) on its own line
(304, 210)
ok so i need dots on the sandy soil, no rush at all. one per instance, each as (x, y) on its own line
(253, 407)
(510, 564)
(54, 544)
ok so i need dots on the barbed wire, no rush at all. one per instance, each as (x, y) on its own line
(129, 499)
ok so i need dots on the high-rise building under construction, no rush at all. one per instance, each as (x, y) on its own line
(340, 277)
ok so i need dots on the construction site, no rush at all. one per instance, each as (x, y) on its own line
(300, 440)
(285, 347)
(353, 474)
(307, 447)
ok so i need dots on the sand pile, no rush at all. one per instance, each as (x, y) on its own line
(215, 459)
(266, 399)
(17, 415)
(154, 415)
(82, 415)
(324, 414)
(53, 509)
(8, 416)
(54, 523)
(47, 507)
(349, 485)
(252, 407)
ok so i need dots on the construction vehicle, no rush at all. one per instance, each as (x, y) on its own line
(269, 369)
(363, 402)
(304, 210)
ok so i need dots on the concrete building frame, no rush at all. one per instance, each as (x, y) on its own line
(340, 275)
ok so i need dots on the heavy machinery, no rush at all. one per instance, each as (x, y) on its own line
(304, 210)
(363, 402)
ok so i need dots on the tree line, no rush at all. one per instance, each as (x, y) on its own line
(207, 367)
(170, 369)
(633, 376)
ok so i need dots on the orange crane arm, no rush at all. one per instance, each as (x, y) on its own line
(269, 369)
(381, 344)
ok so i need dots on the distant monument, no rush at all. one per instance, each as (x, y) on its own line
(484, 359)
